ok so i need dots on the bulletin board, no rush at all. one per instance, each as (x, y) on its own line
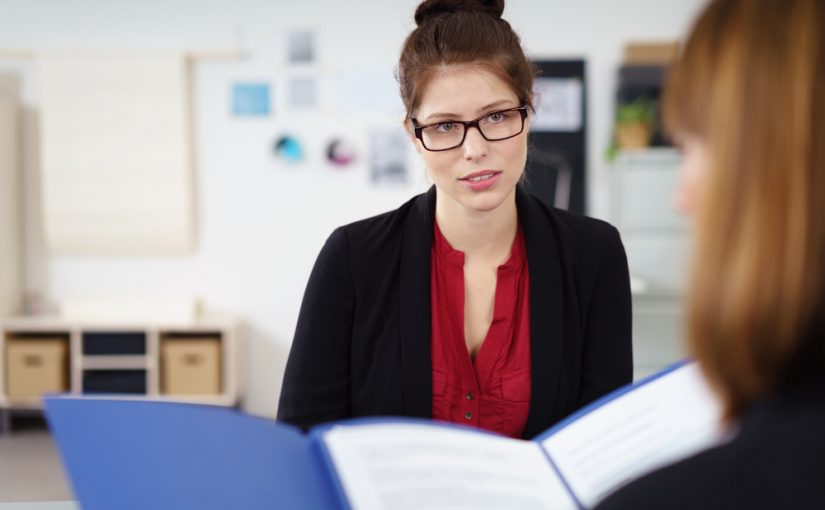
(556, 158)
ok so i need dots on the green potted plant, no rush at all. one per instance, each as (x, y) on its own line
(634, 123)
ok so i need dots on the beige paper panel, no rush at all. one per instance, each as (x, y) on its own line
(10, 190)
(116, 153)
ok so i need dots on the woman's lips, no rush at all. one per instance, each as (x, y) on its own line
(482, 180)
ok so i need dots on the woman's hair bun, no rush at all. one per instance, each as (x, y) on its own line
(432, 8)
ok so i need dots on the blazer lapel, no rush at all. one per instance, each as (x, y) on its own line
(546, 311)
(416, 361)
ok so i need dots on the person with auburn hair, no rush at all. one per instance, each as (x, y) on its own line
(472, 303)
(746, 99)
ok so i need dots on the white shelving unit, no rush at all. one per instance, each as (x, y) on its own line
(658, 247)
(123, 352)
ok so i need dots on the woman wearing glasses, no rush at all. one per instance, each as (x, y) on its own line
(472, 303)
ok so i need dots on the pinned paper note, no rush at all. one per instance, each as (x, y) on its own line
(301, 47)
(302, 92)
(250, 99)
(559, 105)
(388, 156)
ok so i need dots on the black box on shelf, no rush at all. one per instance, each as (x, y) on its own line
(114, 381)
(114, 343)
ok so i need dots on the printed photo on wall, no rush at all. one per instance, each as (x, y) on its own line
(251, 99)
(301, 47)
(340, 153)
(287, 148)
(388, 156)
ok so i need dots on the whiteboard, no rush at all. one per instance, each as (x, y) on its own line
(116, 153)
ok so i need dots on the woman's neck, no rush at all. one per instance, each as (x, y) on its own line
(487, 234)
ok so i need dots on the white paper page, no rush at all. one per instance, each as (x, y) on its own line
(409, 466)
(662, 421)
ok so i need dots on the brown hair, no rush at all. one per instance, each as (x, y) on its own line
(751, 85)
(462, 32)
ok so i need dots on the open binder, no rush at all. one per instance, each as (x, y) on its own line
(138, 454)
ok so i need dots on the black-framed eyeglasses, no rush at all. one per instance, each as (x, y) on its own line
(450, 134)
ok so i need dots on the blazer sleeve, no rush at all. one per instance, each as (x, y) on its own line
(607, 357)
(316, 385)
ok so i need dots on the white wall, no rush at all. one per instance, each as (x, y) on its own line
(261, 224)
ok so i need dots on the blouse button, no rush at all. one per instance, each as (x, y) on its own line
(468, 415)
(469, 395)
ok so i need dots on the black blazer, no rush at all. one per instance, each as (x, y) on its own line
(362, 343)
(777, 460)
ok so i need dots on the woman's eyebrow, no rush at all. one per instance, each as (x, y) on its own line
(445, 115)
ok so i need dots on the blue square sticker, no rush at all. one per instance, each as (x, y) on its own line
(250, 99)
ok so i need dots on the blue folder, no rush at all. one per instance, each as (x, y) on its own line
(127, 454)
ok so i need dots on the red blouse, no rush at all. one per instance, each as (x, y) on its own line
(494, 391)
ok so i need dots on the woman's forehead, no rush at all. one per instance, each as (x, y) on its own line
(464, 90)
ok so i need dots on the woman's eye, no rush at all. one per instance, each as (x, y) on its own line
(445, 126)
(496, 117)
